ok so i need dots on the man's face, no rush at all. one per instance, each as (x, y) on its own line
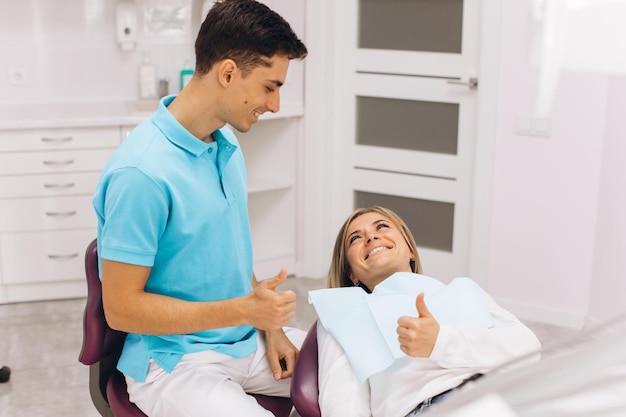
(256, 93)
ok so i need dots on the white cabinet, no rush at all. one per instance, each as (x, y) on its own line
(47, 178)
(271, 152)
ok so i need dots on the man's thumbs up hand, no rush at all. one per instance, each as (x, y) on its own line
(269, 309)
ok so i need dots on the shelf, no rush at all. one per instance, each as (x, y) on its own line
(286, 110)
(259, 185)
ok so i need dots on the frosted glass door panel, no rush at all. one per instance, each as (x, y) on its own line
(411, 25)
(434, 38)
(431, 222)
(407, 124)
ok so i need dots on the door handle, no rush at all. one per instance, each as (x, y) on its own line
(64, 139)
(68, 256)
(59, 163)
(68, 185)
(472, 83)
(61, 213)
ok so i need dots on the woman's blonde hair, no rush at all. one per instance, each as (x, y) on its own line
(339, 272)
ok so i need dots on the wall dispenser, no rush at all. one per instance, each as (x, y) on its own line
(126, 21)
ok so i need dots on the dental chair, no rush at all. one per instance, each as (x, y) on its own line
(101, 350)
(304, 384)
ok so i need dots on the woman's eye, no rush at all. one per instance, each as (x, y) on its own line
(381, 225)
(352, 239)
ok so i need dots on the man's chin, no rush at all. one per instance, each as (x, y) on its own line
(242, 129)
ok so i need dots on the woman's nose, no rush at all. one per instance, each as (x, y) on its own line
(370, 237)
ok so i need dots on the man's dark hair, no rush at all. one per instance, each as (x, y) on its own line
(246, 31)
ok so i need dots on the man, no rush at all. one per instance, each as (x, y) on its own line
(174, 238)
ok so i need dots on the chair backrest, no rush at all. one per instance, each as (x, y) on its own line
(304, 384)
(102, 347)
(99, 340)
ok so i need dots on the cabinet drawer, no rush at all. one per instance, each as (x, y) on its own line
(51, 162)
(47, 213)
(48, 185)
(44, 256)
(58, 139)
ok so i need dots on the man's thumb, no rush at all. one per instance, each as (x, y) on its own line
(422, 310)
(273, 283)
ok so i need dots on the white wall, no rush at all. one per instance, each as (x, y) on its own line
(609, 268)
(67, 50)
(553, 226)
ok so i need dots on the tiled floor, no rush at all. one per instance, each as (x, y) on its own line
(41, 341)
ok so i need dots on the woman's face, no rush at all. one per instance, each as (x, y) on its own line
(375, 249)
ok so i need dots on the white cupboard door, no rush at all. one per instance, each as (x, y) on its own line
(44, 256)
(46, 213)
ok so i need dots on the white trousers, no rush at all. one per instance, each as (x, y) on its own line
(210, 383)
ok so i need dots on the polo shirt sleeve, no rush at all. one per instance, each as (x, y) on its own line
(135, 215)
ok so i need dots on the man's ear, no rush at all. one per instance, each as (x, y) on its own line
(226, 69)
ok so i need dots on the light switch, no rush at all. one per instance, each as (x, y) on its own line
(531, 125)
(541, 126)
(524, 124)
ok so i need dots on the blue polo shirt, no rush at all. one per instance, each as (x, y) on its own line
(169, 201)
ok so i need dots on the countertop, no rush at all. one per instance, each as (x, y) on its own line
(68, 114)
(33, 115)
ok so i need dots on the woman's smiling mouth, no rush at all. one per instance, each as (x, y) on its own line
(375, 251)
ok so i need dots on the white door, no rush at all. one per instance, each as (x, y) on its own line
(405, 120)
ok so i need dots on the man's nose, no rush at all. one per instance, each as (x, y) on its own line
(273, 102)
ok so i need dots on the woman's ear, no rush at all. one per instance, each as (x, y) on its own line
(353, 278)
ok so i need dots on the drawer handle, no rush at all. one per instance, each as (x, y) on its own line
(65, 139)
(67, 185)
(68, 256)
(61, 213)
(58, 163)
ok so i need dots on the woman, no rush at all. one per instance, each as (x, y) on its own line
(373, 244)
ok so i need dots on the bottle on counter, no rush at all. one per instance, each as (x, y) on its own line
(147, 79)
(185, 74)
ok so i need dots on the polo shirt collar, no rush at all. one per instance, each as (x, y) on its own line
(179, 136)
